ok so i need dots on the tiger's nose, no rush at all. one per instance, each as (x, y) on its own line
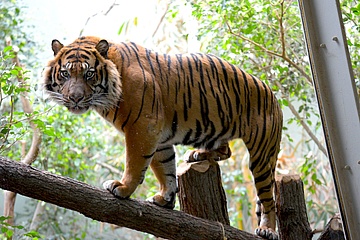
(76, 98)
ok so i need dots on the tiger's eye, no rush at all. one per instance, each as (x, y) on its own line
(89, 74)
(64, 74)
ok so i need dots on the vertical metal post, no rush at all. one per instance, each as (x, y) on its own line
(338, 102)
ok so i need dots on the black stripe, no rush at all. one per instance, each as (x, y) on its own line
(116, 111)
(196, 61)
(204, 108)
(145, 85)
(174, 127)
(171, 175)
(85, 57)
(224, 72)
(149, 156)
(247, 94)
(123, 51)
(186, 140)
(221, 113)
(126, 121)
(169, 159)
(211, 83)
(236, 89)
(185, 108)
(71, 56)
(198, 130)
(258, 93)
(159, 65)
(134, 45)
(148, 56)
(264, 176)
(190, 72)
(165, 148)
(189, 98)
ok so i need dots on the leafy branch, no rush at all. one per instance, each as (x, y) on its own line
(32, 153)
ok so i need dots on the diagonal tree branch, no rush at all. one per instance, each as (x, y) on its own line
(273, 53)
(103, 206)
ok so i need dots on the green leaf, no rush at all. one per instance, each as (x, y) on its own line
(285, 102)
(7, 48)
(32, 234)
(18, 124)
(121, 28)
(4, 229)
(19, 227)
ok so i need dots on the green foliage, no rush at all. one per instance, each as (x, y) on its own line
(7, 230)
(71, 145)
(11, 126)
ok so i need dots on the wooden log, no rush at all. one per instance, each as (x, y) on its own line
(200, 191)
(291, 209)
(101, 205)
(333, 230)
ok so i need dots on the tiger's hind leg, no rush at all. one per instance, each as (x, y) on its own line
(263, 169)
(164, 167)
(221, 153)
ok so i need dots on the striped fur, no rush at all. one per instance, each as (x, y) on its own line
(160, 100)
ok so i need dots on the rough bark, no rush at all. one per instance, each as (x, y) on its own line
(101, 205)
(200, 191)
(291, 209)
(333, 230)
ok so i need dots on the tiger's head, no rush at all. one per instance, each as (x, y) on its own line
(81, 77)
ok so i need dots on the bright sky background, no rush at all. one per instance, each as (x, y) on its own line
(63, 19)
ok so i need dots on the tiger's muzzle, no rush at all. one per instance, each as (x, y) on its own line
(77, 100)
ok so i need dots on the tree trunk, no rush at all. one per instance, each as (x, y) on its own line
(200, 191)
(291, 209)
(102, 206)
(333, 230)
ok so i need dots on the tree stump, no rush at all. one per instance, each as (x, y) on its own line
(333, 230)
(200, 191)
(291, 209)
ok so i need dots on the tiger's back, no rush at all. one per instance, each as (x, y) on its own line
(200, 99)
(160, 100)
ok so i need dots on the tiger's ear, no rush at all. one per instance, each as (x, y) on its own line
(102, 47)
(56, 46)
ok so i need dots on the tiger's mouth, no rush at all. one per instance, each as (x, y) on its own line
(78, 109)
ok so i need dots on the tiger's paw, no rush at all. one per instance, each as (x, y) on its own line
(266, 233)
(117, 189)
(162, 202)
(219, 154)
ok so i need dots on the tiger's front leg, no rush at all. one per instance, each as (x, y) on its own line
(164, 168)
(133, 176)
(139, 153)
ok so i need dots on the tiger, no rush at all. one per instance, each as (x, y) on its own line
(159, 100)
